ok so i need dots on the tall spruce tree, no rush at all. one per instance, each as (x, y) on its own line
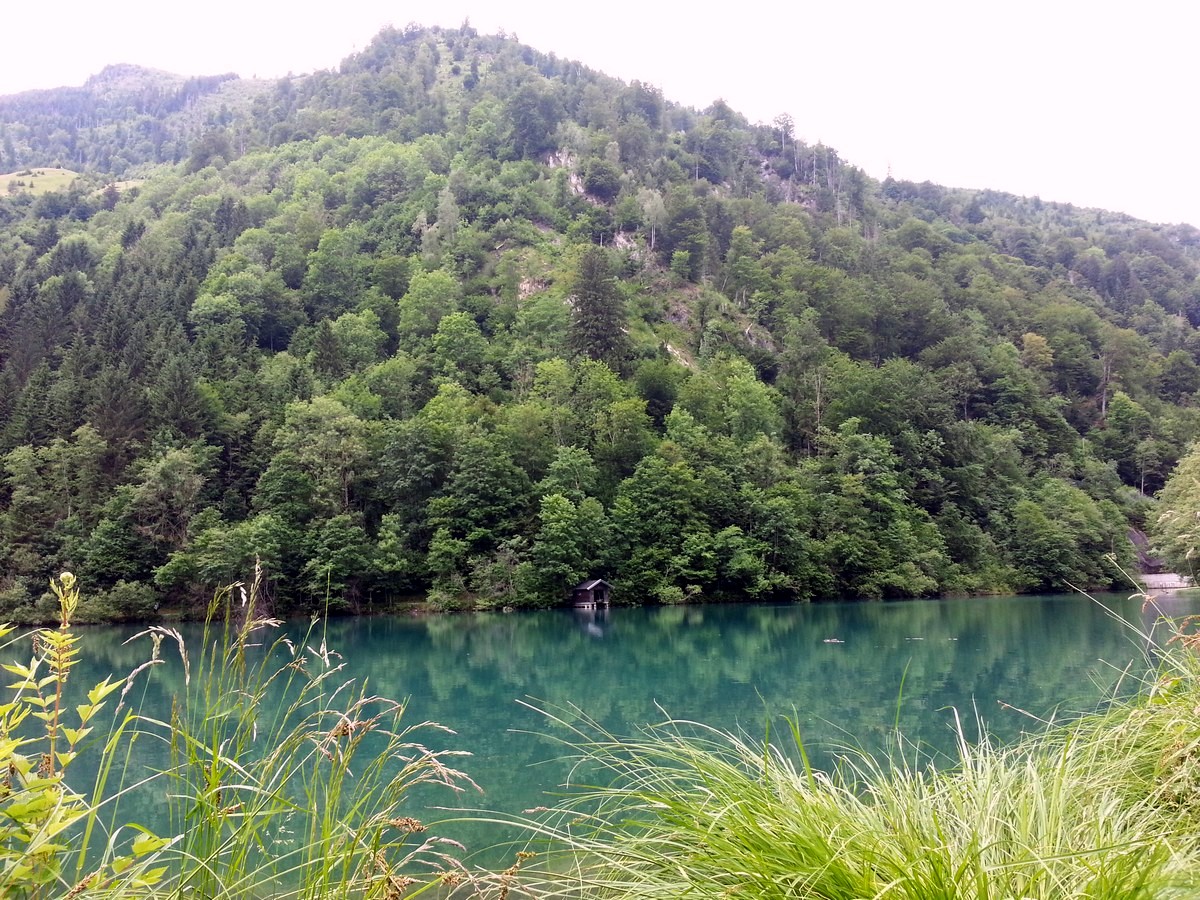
(598, 311)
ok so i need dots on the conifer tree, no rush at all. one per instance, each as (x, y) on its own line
(327, 352)
(598, 313)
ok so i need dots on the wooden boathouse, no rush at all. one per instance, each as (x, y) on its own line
(591, 593)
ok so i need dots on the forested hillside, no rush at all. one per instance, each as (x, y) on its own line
(469, 320)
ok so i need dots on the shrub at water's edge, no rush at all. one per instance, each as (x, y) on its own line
(1105, 807)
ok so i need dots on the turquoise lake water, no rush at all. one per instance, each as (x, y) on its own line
(845, 673)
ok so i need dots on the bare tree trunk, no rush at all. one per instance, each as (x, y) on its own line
(1106, 374)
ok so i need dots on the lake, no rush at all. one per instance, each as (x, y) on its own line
(846, 673)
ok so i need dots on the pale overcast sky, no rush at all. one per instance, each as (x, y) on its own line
(1087, 102)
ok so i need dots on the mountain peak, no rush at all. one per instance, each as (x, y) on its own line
(118, 73)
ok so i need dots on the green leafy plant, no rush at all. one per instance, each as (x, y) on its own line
(46, 825)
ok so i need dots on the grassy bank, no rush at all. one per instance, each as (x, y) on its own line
(1107, 806)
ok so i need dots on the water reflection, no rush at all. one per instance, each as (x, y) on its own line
(592, 620)
(837, 669)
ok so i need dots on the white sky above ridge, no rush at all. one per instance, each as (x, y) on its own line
(1083, 102)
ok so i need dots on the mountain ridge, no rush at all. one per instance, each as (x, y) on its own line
(149, 79)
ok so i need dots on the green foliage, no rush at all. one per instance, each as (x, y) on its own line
(597, 311)
(1175, 527)
(327, 294)
(123, 602)
(571, 539)
(485, 499)
(602, 179)
(880, 543)
(685, 236)
(533, 112)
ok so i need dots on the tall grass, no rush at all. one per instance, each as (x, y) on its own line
(283, 776)
(1105, 807)
(287, 778)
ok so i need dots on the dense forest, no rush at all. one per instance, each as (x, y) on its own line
(467, 321)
